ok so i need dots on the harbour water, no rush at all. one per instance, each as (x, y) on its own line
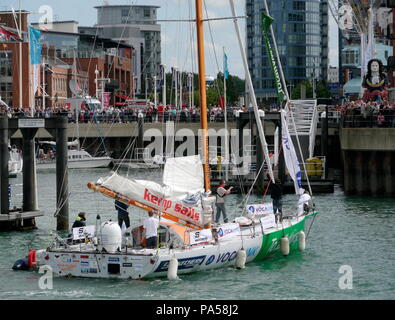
(356, 232)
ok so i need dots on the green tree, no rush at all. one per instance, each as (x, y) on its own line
(297, 92)
(323, 90)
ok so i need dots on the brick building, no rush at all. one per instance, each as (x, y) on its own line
(10, 63)
(113, 60)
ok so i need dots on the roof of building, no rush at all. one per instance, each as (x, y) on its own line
(127, 6)
(108, 43)
(353, 86)
(54, 22)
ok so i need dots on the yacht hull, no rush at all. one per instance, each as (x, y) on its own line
(82, 261)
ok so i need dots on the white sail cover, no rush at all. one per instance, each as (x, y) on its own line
(184, 174)
(291, 159)
(180, 195)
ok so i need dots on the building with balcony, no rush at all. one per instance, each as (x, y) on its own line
(135, 25)
(13, 92)
(93, 55)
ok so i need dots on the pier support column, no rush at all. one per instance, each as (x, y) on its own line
(29, 170)
(62, 178)
(4, 155)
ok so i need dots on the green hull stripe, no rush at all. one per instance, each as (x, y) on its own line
(271, 241)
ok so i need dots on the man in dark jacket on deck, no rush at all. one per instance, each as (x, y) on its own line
(123, 214)
(276, 192)
(80, 221)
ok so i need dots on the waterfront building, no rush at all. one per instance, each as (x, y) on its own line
(135, 25)
(12, 92)
(333, 75)
(301, 31)
(112, 60)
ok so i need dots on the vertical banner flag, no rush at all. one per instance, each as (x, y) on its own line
(35, 53)
(266, 22)
(291, 159)
(226, 72)
(35, 46)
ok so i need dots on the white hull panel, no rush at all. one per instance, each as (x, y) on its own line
(146, 263)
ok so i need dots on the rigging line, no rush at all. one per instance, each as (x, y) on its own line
(119, 41)
(94, 41)
(287, 106)
(213, 46)
(126, 151)
(247, 197)
(131, 143)
(100, 135)
(194, 20)
(311, 224)
(124, 154)
(164, 32)
(86, 132)
(239, 179)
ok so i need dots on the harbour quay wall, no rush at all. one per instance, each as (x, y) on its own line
(368, 156)
(116, 137)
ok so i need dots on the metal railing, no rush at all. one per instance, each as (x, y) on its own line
(368, 121)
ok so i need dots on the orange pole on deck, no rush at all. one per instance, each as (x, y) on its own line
(120, 197)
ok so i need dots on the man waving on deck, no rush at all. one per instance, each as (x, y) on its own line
(220, 201)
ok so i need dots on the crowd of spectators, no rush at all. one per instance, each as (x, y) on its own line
(359, 113)
(353, 114)
(131, 114)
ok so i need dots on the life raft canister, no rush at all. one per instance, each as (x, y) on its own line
(314, 167)
(32, 259)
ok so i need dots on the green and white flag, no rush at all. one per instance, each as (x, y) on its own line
(266, 22)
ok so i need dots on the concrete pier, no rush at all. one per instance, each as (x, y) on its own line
(369, 161)
(27, 128)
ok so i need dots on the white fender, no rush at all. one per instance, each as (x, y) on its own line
(302, 241)
(241, 258)
(172, 271)
(284, 245)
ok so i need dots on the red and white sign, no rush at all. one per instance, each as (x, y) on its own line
(106, 99)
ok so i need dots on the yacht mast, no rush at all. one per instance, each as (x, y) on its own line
(202, 92)
(252, 94)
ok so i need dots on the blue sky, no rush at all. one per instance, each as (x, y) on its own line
(176, 36)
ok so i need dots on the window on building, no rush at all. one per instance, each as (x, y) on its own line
(299, 5)
(125, 12)
(147, 13)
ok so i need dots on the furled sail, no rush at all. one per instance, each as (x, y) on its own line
(184, 174)
(291, 159)
(181, 194)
